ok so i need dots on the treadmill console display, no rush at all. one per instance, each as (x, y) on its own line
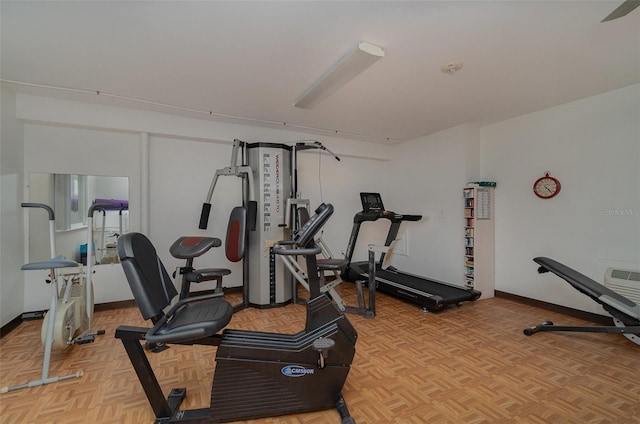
(371, 202)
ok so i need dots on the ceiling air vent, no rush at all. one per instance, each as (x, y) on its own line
(624, 282)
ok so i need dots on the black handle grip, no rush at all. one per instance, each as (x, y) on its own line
(278, 250)
(542, 270)
(204, 216)
(252, 215)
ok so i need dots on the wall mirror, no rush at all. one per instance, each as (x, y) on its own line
(70, 196)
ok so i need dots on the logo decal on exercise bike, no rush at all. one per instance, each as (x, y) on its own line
(296, 371)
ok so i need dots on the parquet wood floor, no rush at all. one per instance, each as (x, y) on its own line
(465, 365)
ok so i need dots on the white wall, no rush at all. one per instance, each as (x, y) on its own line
(593, 147)
(427, 178)
(181, 172)
(73, 150)
(180, 175)
(323, 178)
(11, 222)
(182, 155)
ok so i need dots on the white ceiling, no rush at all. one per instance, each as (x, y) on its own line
(252, 59)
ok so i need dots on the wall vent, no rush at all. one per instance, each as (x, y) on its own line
(625, 282)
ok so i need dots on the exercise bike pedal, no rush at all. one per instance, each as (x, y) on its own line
(83, 340)
(87, 338)
(28, 316)
(155, 347)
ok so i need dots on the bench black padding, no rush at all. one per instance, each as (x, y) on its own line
(615, 304)
(625, 312)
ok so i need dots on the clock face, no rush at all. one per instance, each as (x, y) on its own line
(546, 187)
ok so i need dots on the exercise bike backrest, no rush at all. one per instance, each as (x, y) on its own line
(148, 279)
(305, 236)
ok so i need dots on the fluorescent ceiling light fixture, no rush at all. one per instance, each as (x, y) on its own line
(353, 63)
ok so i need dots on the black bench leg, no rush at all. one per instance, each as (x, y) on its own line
(345, 416)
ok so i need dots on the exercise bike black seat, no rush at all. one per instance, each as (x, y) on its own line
(53, 263)
(189, 319)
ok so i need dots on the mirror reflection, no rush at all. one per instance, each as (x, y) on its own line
(71, 196)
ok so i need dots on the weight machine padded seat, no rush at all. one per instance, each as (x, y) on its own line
(615, 304)
(188, 320)
(190, 247)
(331, 264)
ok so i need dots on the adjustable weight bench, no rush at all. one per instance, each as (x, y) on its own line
(625, 313)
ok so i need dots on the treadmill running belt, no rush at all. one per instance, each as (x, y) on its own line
(430, 294)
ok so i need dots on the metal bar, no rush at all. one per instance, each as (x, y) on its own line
(145, 373)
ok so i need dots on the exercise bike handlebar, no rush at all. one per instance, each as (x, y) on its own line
(98, 206)
(48, 208)
(52, 224)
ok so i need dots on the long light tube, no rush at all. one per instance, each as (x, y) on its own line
(353, 63)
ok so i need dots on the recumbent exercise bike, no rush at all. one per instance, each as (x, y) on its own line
(257, 374)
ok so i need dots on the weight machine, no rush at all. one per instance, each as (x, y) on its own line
(270, 195)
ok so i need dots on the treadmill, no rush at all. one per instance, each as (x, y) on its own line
(432, 295)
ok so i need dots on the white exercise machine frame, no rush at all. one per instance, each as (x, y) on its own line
(68, 320)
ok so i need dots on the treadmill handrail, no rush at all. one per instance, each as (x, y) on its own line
(374, 215)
